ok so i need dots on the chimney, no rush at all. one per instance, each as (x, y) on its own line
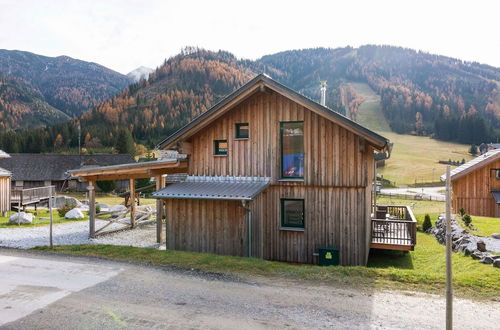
(323, 93)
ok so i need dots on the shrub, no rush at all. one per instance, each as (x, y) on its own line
(473, 150)
(467, 219)
(427, 223)
(106, 186)
(97, 208)
(462, 212)
(66, 208)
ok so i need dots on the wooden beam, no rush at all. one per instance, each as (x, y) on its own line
(159, 211)
(391, 247)
(132, 202)
(91, 190)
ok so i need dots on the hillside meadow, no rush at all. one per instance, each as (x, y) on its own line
(414, 159)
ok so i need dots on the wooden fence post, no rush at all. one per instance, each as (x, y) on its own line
(159, 211)
(132, 202)
(91, 190)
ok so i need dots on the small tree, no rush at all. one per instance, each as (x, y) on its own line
(467, 220)
(106, 186)
(427, 223)
(461, 211)
(125, 142)
(473, 150)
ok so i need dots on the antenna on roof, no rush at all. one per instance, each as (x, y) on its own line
(323, 92)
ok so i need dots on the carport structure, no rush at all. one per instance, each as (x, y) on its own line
(158, 169)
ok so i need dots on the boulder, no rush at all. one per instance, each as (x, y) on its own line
(481, 246)
(496, 235)
(487, 260)
(60, 201)
(477, 255)
(117, 210)
(496, 263)
(468, 251)
(21, 218)
(75, 213)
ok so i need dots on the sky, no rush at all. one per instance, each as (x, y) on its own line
(125, 34)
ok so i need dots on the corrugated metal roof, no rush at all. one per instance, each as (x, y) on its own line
(215, 187)
(471, 165)
(496, 196)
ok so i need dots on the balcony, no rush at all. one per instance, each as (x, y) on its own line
(393, 228)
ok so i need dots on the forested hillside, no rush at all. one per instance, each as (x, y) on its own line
(421, 94)
(69, 85)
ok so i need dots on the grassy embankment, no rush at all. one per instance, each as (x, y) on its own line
(413, 158)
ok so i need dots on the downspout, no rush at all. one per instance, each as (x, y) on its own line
(249, 226)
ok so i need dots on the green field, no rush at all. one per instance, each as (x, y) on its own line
(483, 226)
(414, 158)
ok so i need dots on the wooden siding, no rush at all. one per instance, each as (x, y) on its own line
(332, 153)
(337, 187)
(473, 191)
(211, 226)
(4, 194)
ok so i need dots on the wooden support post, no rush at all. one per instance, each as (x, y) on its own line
(91, 190)
(159, 211)
(449, 287)
(132, 202)
(51, 220)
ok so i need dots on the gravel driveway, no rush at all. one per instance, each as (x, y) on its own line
(76, 232)
(145, 297)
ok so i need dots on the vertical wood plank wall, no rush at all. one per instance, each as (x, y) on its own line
(473, 191)
(337, 186)
(4, 194)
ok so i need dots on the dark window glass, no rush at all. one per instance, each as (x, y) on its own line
(292, 150)
(220, 147)
(497, 174)
(292, 213)
(242, 131)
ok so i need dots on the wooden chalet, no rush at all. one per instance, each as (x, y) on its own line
(476, 185)
(272, 174)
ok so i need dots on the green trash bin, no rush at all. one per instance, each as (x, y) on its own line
(328, 256)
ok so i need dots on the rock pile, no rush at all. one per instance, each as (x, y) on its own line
(470, 245)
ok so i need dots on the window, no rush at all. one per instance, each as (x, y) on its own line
(497, 174)
(292, 213)
(292, 150)
(220, 147)
(242, 131)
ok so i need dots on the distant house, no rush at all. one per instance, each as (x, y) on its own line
(476, 185)
(36, 170)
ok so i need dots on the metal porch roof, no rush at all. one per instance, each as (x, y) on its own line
(215, 187)
(496, 196)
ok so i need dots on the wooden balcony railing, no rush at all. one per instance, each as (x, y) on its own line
(394, 228)
(31, 195)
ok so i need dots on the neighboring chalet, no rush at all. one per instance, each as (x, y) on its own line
(38, 170)
(4, 187)
(476, 185)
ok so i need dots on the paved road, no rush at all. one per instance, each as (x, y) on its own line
(57, 292)
(433, 192)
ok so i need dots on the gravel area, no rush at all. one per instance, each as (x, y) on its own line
(75, 233)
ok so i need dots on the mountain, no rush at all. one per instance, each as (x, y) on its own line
(141, 72)
(23, 106)
(421, 93)
(69, 85)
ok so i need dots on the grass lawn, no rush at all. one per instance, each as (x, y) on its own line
(41, 218)
(420, 270)
(108, 199)
(484, 226)
(413, 158)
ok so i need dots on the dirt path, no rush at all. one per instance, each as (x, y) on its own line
(142, 297)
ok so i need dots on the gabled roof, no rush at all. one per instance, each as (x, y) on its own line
(41, 167)
(254, 85)
(213, 187)
(473, 165)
